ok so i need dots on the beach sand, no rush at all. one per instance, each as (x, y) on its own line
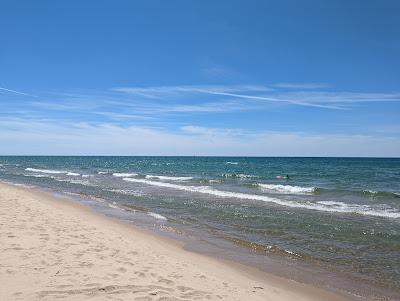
(52, 248)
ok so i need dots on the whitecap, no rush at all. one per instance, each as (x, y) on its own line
(113, 205)
(73, 174)
(157, 216)
(49, 171)
(169, 178)
(124, 175)
(286, 189)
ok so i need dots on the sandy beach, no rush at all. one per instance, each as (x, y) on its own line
(52, 248)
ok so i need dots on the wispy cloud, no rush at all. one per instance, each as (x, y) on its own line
(16, 92)
(337, 100)
(301, 86)
(162, 91)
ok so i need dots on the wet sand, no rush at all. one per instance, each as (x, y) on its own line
(53, 249)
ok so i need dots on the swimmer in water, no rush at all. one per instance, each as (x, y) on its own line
(283, 177)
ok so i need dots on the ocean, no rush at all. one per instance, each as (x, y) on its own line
(335, 219)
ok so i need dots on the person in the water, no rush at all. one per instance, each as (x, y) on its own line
(283, 177)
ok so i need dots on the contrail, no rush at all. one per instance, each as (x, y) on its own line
(17, 92)
(301, 103)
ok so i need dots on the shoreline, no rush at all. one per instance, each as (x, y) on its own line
(230, 280)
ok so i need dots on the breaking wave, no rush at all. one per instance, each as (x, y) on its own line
(157, 216)
(326, 206)
(169, 178)
(286, 189)
(124, 175)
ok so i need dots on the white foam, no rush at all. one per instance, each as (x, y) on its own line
(383, 210)
(232, 163)
(286, 189)
(113, 205)
(320, 206)
(49, 171)
(102, 172)
(124, 175)
(240, 176)
(157, 216)
(168, 178)
(73, 174)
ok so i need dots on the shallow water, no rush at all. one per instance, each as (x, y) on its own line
(341, 214)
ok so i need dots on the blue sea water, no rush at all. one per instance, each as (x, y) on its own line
(340, 214)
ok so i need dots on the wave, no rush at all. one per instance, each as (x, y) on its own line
(102, 172)
(72, 181)
(113, 205)
(73, 174)
(286, 189)
(124, 175)
(259, 248)
(168, 178)
(382, 210)
(50, 171)
(319, 206)
(157, 216)
(374, 193)
(232, 163)
(238, 175)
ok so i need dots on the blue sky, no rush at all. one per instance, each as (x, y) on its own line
(264, 78)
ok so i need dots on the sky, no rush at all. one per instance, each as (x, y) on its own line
(220, 78)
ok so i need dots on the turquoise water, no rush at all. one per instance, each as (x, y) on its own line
(342, 214)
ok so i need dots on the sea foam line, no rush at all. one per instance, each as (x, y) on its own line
(320, 206)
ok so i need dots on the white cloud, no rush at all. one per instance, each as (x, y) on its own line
(46, 137)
